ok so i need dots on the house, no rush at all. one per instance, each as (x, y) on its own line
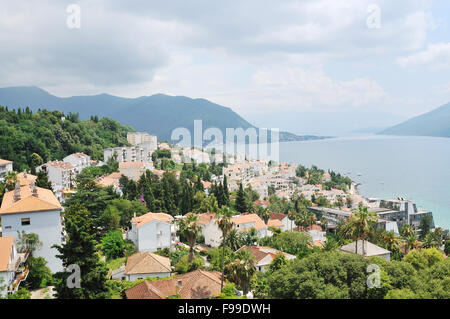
(283, 218)
(142, 265)
(264, 255)
(113, 180)
(12, 271)
(5, 167)
(79, 161)
(34, 210)
(134, 170)
(261, 202)
(366, 250)
(198, 284)
(152, 231)
(246, 222)
(241, 223)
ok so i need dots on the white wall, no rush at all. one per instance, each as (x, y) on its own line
(46, 224)
(143, 276)
(212, 234)
(148, 238)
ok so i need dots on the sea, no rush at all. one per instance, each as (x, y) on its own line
(416, 168)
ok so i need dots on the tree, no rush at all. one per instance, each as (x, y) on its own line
(113, 245)
(278, 262)
(425, 226)
(42, 180)
(264, 214)
(79, 250)
(242, 269)
(189, 229)
(241, 203)
(225, 225)
(360, 226)
(35, 161)
(39, 275)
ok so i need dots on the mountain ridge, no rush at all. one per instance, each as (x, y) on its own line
(434, 123)
(158, 114)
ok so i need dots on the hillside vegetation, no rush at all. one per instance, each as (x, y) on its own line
(54, 135)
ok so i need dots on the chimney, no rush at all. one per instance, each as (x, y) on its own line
(16, 195)
(179, 284)
(24, 173)
(33, 189)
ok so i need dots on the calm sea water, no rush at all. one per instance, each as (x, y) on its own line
(417, 168)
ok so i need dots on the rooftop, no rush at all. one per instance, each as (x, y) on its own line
(6, 244)
(369, 249)
(147, 263)
(43, 199)
(146, 218)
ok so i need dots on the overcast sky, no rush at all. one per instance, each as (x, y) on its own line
(255, 56)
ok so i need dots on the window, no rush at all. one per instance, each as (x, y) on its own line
(7, 227)
(25, 221)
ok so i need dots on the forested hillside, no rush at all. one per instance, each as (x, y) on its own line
(54, 135)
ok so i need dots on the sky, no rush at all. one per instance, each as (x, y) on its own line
(299, 65)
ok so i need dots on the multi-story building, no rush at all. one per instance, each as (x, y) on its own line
(403, 212)
(12, 269)
(61, 174)
(134, 170)
(34, 210)
(130, 153)
(79, 161)
(5, 167)
(138, 138)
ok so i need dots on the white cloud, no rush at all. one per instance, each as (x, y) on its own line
(436, 56)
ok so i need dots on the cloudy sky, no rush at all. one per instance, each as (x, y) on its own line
(267, 60)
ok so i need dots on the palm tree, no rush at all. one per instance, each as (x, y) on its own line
(264, 214)
(233, 240)
(431, 240)
(390, 240)
(242, 269)
(406, 231)
(324, 223)
(411, 243)
(292, 216)
(225, 225)
(189, 228)
(360, 226)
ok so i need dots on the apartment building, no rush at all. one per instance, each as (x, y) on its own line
(79, 161)
(5, 167)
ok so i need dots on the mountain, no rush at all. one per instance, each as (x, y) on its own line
(158, 114)
(434, 123)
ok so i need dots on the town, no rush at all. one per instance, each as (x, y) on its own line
(158, 221)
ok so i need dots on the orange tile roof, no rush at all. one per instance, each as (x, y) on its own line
(249, 218)
(146, 218)
(25, 180)
(199, 284)
(4, 162)
(279, 216)
(205, 218)
(134, 164)
(60, 165)
(147, 263)
(109, 180)
(45, 200)
(6, 244)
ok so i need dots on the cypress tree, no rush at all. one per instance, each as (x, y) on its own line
(241, 205)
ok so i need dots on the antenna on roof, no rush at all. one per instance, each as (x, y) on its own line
(33, 189)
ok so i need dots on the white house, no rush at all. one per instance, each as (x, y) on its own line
(152, 231)
(283, 218)
(5, 167)
(264, 255)
(60, 174)
(34, 210)
(12, 272)
(79, 161)
(242, 223)
(142, 265)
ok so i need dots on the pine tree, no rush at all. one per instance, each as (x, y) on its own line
(79, 250)
(241, 204)
(225, 193)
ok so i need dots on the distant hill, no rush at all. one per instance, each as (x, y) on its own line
(157, 114)
(434, 123)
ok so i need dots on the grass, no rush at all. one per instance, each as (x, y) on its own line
(114, 264)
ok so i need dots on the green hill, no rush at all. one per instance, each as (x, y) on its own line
(54, 135)
(434, 123)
